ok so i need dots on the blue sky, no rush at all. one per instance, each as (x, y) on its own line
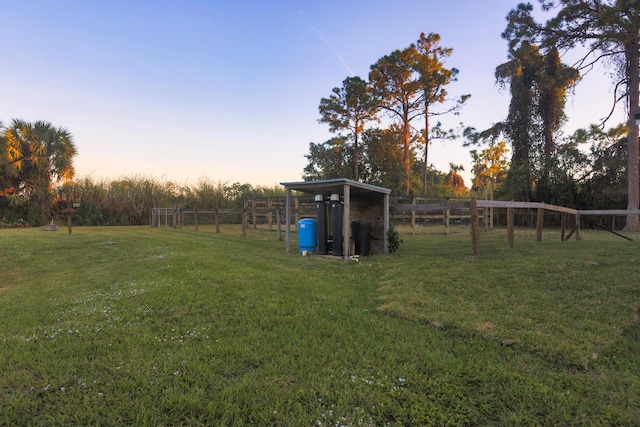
(229, 90)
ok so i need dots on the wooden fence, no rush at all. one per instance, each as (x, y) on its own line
(477, 214)
(419, 213)
(541, 208)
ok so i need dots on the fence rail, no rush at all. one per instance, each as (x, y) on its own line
(478, 214)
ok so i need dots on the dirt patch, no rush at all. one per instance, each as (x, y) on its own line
(487, 326)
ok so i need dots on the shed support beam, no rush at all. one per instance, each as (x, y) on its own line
(346, 222)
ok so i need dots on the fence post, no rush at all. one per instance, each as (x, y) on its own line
(447, 217)
(254, 215)
(510, 226)
(413, 217)
(175, 213)
(475, 228)
(270, 213)
(562, 225)
(485, 211)
(244, 219)
(215, 218)
(577, 226)
(278, 225)
(539, 224)
(195, 217)
(491, 208)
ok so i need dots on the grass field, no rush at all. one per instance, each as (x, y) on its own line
(141, 326)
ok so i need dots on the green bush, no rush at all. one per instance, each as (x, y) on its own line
(394, 239)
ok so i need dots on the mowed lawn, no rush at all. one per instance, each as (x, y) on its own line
(142, 326)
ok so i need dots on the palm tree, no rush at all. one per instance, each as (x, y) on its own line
(455, 180)
(38, 155)
(9, 153)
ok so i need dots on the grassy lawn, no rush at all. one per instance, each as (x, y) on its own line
(141, 326)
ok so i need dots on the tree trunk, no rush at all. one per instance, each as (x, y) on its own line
(407, 154)
(356, 155)
(633, 175)
(426, 151)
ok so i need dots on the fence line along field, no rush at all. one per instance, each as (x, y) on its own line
(163, 326)
(417, 215)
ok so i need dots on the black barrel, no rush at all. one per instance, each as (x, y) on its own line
(361, 231)
(321, 207)
(336, 227)
(365, 237)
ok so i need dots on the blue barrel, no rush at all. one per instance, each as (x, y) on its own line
(307, 234)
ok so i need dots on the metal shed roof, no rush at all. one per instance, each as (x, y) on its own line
(334, 186)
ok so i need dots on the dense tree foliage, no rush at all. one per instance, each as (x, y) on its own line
(404, 85)
(397, 85)
(348, 109)
(490, 165)
(538, 86)
(328, 160)
(611, 29)
(35, 156)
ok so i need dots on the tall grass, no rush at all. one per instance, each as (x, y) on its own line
(129, 200)
(144, 326)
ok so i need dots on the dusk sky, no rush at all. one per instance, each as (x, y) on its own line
(229, 90)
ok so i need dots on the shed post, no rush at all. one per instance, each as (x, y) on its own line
(346, 222)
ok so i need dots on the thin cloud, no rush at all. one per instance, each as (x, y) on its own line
(326, 42)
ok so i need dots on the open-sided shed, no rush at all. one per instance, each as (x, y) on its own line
(363, 202)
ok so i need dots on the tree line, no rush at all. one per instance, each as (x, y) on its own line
(37, 182)
(523, 157)
(406, 86)
(587, 169)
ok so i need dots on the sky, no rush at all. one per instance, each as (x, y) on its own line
(228, 91)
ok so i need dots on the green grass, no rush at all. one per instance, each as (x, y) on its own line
(141, 326)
